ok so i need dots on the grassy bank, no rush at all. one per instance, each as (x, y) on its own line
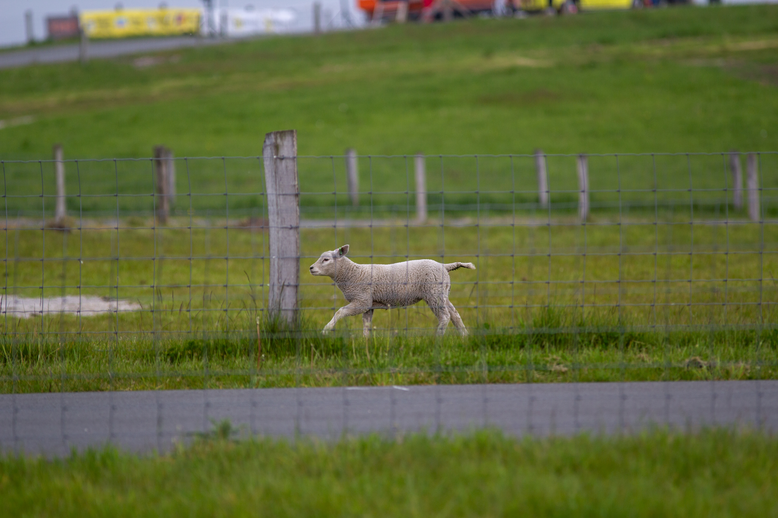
(675, 80)
(692, 79)
(712, 473)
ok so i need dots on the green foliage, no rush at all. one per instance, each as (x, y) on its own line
(205, 349)
(221, 432)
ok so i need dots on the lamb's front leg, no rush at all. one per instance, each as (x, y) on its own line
(354, 308)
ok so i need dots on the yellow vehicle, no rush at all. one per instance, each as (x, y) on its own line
(592, 5)
(570, 6)
(387, 9)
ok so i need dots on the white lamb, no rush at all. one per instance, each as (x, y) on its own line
(382, 286)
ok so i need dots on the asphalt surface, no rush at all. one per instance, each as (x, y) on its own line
(53, 424)
(99, 49)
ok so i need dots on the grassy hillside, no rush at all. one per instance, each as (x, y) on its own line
(674, 80)
(685, 79)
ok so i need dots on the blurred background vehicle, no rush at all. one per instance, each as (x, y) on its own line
(378, 10)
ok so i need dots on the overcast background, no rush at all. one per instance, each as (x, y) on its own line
(12, 12)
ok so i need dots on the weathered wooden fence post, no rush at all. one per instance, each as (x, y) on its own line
(279, 154)
(421, 188)
(540, 167)
(160, 170)
(352, 176)
(583, 185)
(752, 182)
(60, 211)
(737, 180)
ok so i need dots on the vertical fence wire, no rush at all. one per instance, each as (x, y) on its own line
(761, 286)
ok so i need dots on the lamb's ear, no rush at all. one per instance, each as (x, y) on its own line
(342, 251)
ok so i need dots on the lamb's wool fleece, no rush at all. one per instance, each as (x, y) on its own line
(381, 286)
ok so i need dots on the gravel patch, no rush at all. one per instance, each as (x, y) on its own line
(23, 307)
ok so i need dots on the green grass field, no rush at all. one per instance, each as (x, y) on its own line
(607, 313)
(711, 473)
(677, 80)
(666, 281)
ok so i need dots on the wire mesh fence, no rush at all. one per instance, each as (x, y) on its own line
(617, 267)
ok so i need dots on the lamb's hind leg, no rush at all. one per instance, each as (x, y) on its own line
(456, 319)
(440, 309)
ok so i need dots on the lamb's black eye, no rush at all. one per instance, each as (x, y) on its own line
(325, 260)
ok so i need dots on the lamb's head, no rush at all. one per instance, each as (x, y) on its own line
(327, 264)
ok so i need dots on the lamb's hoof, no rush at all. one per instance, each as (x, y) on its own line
(326, 331)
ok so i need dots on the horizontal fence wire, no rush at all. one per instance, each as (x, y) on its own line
(688, 194)
(597, 267)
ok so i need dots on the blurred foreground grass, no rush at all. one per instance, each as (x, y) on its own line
(658, 473)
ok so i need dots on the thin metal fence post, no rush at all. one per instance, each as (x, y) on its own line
(540, 168)
(170, 177)
(160, 170)
(60, 211)
(448, 10)
(283, 203)
(753, 187)
(737, 180)
(317, 17)
(583, 186)
(352, 176)
(224, 22)
(28, 27)
(83, 47)
(421, 189)
(402, 12)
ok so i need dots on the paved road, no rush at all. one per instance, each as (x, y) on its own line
(52, 424)
(101, 49)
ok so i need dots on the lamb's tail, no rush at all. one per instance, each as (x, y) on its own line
(454, 266)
